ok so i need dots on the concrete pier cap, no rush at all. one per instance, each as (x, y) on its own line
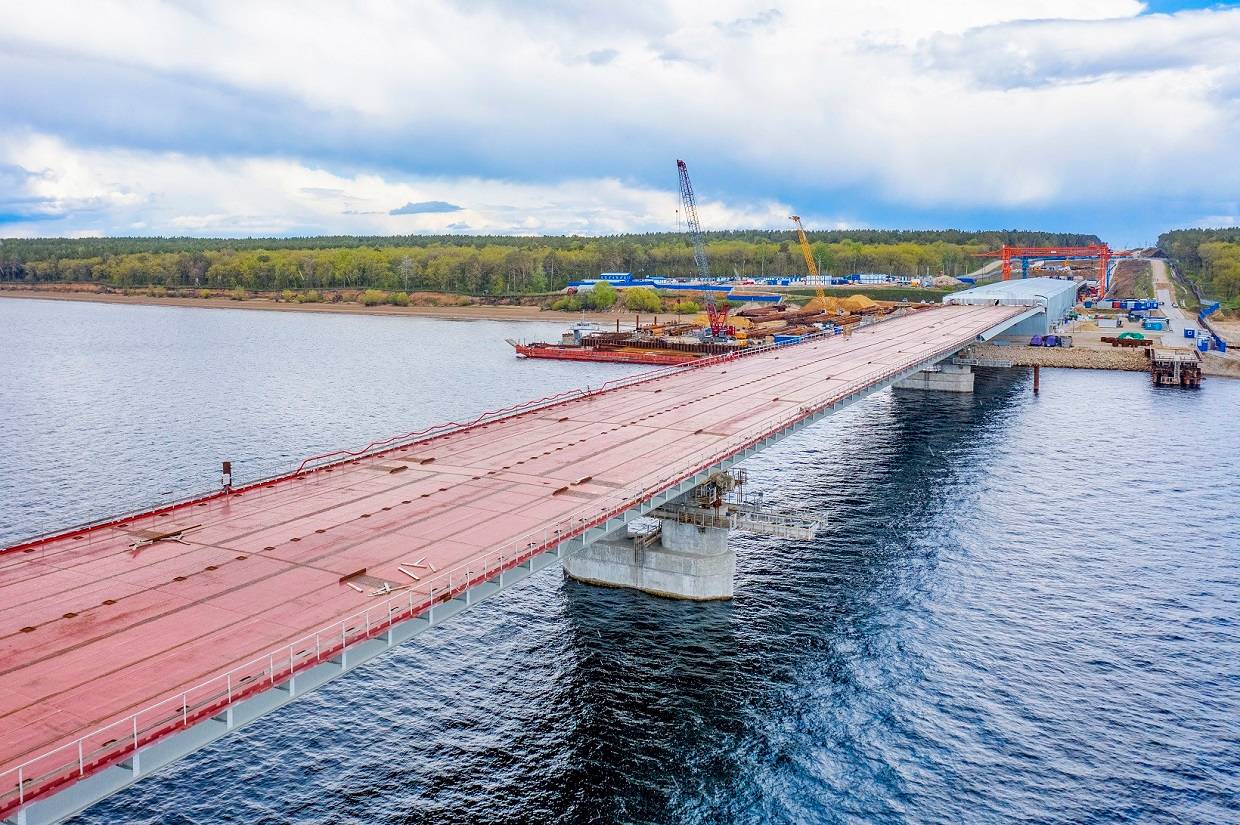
(945, 377)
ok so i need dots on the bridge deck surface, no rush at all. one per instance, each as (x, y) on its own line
(93, 628)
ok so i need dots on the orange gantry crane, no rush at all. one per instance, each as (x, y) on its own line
(1100, 252)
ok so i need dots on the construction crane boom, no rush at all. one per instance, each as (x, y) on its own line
(810, 266)
(689, 202)
(718, 319)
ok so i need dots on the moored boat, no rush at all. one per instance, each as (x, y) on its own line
(619, 355)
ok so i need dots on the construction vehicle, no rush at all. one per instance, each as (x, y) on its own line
(810, 266)
(717, 317)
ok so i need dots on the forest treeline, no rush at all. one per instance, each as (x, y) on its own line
(488, 264)
(1211, 257)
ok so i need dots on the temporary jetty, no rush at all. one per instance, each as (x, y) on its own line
(1175, 368)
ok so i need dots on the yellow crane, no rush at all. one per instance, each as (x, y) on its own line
(810, 266)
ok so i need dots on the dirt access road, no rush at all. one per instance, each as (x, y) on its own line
(1177, 319)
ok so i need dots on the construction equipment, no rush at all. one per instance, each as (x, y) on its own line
(810, 266)
(716, 317)
(1099, 252)
(1125, 342)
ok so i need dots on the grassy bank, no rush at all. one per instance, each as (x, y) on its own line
(1210, 259)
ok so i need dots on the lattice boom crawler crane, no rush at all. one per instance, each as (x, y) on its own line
(718, 318)
(811, 267)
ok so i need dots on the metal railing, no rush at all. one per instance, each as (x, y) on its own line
(731, 515)
(112, 743)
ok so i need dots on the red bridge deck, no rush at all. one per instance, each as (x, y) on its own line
(107, 638)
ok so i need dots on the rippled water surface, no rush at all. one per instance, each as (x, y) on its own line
(1024, 609)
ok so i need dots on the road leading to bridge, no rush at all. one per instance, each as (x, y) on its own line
(131, 631)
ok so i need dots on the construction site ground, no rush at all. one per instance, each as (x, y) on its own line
(1094, 358)
(1132, 279)
(1229, 329)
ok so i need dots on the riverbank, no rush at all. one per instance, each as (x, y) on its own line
(1126, 360)
(472, 312)
(1090, 356)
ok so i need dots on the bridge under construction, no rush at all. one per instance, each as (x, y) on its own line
(132, 642)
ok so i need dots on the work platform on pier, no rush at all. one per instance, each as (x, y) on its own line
(154, 631)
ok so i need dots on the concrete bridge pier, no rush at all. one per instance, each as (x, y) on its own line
(688, 556)
(679, 561)
(945, 377)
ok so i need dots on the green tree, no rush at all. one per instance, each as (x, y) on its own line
(642, 299)
(602, 296)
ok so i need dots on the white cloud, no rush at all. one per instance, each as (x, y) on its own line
(1219, 221)
(178, 194)
(1044, 52)
(572, 113)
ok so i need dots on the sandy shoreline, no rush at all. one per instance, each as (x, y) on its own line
(1089, 356)
(466, 313)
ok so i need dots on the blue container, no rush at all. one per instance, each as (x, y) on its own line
(780, 340)
(1189, 332)
(1203, 344)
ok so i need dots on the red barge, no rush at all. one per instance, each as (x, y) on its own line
(619, 356)
(585, 342)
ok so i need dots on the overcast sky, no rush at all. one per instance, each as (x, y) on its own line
(258, 118)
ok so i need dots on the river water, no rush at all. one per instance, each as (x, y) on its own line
(1024, 609)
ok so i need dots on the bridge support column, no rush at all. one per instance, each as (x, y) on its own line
(946, 377)
(686, 562)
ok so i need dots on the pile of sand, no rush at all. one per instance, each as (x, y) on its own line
(859, 303)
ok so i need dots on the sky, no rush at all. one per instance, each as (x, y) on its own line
(205, 118)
